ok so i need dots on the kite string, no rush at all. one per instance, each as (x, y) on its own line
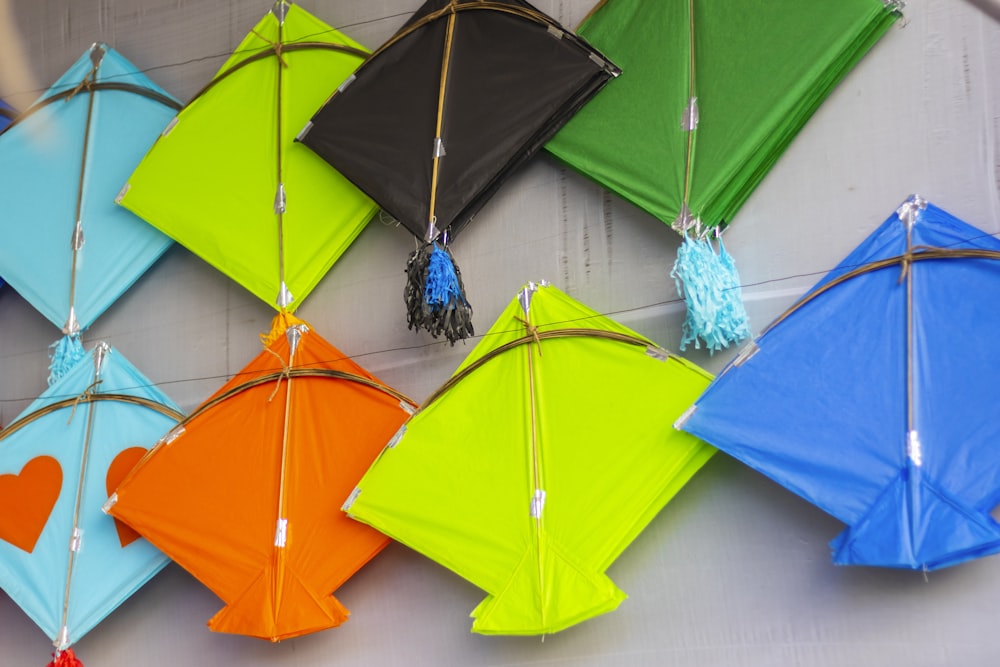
(214, 56)
(906, 260)
(920, 252)
(286, 372)
(532, 331)
(85, 84)
(85, 395)
(275, 45)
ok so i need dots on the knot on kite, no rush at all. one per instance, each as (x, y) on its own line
(710, 285)
(86, 83)
(435, 296)
(275, 46)
(65, 658)
(85, 395)
(531, 330)
(280, 326)
(286, 372)
(63, 355)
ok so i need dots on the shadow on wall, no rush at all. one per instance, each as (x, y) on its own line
(15, 75)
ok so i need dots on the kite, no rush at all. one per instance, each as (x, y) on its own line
(262, 462)
(226, 179)
(713, 93)
(67, 249)
(7, 114)
(533, 491)
(64, 562)
(245, 494)
(440, 115)
(868, 397)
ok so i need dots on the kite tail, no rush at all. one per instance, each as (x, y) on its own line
(65, 658)
(435, 296)
(298, 609)
(548, 592)
(64, 354)
(281, 322)
(710, 286)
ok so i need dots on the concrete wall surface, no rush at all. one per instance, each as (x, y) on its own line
(736, 570)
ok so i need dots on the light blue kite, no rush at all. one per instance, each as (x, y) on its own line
(62, 560)
(65, 245)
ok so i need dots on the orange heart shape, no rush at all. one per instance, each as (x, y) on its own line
(123, 463)
(27, 500)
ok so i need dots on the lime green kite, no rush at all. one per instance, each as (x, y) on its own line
(226, 178)
(539, 461)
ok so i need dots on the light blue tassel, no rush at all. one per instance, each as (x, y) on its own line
(64, 354)
(710, 285)
(442, 287)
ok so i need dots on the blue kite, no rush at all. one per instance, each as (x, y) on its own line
(66, 247)
(62, 560)
(870, 397)
(7, 114)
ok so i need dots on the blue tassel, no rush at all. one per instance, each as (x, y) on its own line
(434, 295)
(64, 354)
(442, 286)
(710, 285)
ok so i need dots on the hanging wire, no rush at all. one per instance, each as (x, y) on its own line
(343, 27)
(850, 270)
(217, 56)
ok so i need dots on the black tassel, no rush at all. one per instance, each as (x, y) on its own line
(435, 296)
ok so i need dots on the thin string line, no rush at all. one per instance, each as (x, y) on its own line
(439, 343)
(214, 56)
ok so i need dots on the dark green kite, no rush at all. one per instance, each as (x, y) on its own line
(712, 92)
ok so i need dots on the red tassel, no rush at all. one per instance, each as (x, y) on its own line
(64, 658)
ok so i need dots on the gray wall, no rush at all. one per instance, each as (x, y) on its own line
(736, 570)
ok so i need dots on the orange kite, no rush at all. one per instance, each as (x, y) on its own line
(245, 494)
